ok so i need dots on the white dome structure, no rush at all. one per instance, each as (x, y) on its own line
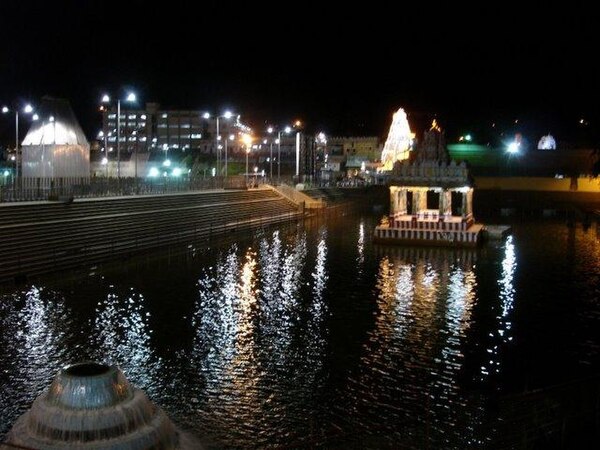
(55, 145)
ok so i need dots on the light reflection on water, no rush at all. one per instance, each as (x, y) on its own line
(32, 336)
(122, 336)
(501, 335)
(308, 335)
(411, 361)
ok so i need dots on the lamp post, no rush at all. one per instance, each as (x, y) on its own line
(247, 140)
(104, 134)
(321, 142)
(231, 138)
(28, 109)
(270, 130)
(226, 115)
(287, 130)
(130, 98)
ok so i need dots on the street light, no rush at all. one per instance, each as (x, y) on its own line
(231, 138)
(321, 142)
(130, 98)
(270, 130)
(225, 115)
(28, 109)
(247, 140)
(102, 134)
(287, 129)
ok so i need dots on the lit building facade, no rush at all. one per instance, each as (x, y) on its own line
(155, 130)
(365, 146)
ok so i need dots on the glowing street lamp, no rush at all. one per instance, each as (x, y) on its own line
(321, 141)
(287, 129)
(130, 98)
(231, 138)
(513, 147)
(225, 115)
(102, 134)
(28, 109)
(247, 140)
(270, 130)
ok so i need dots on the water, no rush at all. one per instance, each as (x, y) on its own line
(313, 335)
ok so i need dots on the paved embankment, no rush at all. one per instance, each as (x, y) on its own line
(38, 237)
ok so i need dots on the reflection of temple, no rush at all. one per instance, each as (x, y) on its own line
(462, 258)
(430, 200)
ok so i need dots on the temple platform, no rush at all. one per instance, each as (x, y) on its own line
(431, 233)
(497, 231)
(431, 197)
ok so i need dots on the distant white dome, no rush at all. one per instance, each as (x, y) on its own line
(547, 143)
(57, 125)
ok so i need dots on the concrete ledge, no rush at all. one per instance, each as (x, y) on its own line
(581, 184)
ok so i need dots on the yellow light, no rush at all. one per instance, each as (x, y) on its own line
(398, 144)
(247, 140)
(298, 123)
(435, 126)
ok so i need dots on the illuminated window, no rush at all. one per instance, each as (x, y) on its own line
(131, 116)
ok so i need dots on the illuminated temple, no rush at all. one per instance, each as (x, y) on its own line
(398, 143)
(431, 200)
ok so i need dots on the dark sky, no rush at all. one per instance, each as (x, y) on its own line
(341, 69)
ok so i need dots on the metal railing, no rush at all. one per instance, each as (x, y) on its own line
(40, 189)
(35, 189)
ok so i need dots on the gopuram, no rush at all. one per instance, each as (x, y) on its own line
(431, 199)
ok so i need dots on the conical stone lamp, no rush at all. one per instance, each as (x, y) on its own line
(93, 406)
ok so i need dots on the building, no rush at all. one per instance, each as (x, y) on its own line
(365, 146)
(343, 156)
(168, 133)
(279, 154)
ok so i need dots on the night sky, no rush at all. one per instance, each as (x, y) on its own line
(343, 70)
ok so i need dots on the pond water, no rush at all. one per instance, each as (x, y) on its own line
(311, 335)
